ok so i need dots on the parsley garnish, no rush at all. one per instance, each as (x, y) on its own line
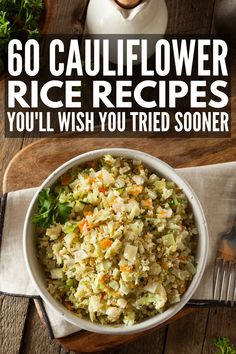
(50, 210)
(18, 19)
(224, 345)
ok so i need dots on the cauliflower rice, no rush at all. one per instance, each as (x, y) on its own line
(127, 249)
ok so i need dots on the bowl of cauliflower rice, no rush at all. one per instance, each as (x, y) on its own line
(115, 241)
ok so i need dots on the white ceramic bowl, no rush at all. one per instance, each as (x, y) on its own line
(38, 276)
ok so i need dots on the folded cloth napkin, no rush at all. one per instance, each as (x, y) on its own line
(215, 186)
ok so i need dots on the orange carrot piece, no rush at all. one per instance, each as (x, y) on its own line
(125, 269)
(81, 224)
(104, 278)
(91, 179)
(147, 203)
(88, 213)
(162, 213)
(105, 243)
(102, 190)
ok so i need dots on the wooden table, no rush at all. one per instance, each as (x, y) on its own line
(20, 328)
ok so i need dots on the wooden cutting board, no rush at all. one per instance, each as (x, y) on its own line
(35, 162)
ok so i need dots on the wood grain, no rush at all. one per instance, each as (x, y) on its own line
(151, 344)
(221, 323)
(13, 312)
(33, 328)
(191, 341)
(189, 16)
(65, 15)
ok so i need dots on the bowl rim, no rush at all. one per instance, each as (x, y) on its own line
(203, 242)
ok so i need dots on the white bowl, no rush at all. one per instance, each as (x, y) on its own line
(38, 276)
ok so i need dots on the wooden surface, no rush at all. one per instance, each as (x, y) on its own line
(20, 329)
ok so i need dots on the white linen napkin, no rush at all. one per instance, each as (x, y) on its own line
(215, 186)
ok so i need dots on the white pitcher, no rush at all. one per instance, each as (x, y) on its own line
(126, 17)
